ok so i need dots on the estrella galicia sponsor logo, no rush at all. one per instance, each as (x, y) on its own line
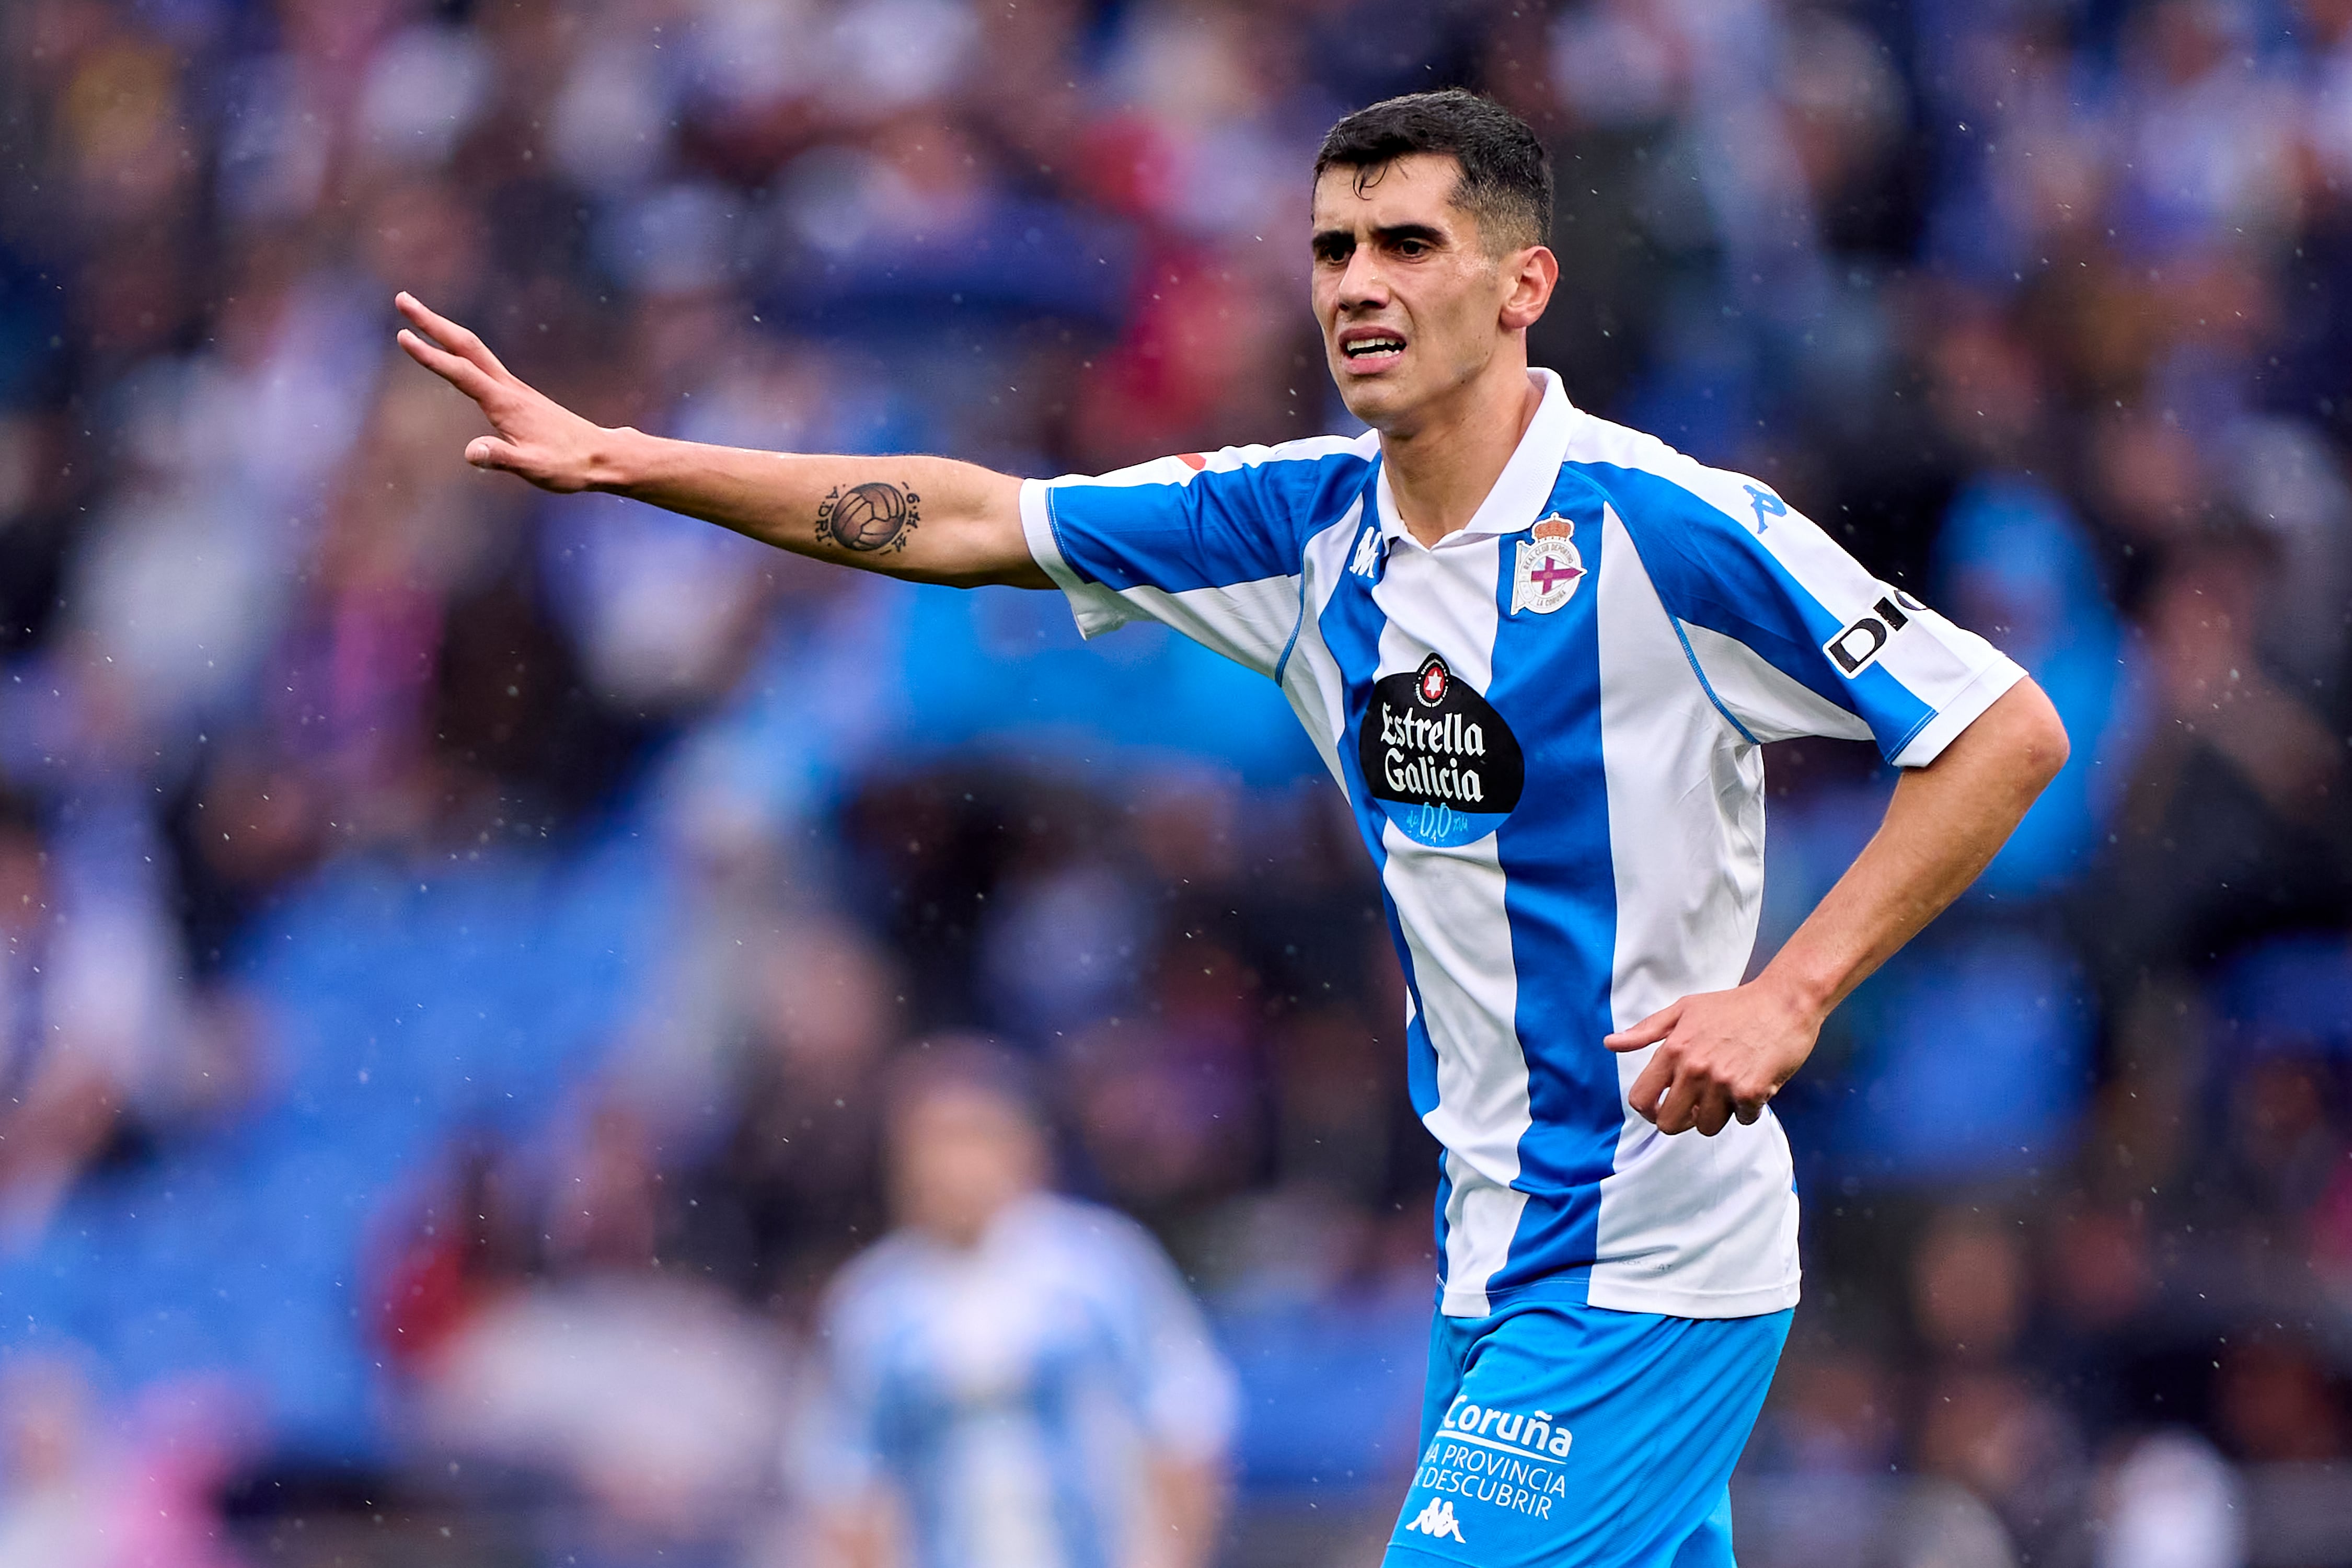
(1501, 1458)
(1860, 640)
(1437, 758)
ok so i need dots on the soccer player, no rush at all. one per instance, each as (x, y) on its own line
(1014, 1380)
(1540, 651)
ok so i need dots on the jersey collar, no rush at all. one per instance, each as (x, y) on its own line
(1526, 483)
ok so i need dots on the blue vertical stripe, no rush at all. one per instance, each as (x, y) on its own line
(1420, 1085)
(1351, 623)
(1560, 891)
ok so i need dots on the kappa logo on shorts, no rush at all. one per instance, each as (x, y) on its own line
(1438, 1519)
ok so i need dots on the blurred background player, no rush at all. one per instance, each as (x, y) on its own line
(1014, 1379)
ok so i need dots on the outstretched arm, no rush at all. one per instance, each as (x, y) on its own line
(1725, 1053)
(929, 519)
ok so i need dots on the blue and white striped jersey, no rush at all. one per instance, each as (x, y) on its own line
(1548, 726)
(1014, 1394)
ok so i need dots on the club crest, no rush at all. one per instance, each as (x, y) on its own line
(1549, 567)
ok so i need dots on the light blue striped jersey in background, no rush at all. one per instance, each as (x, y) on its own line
(1012, 1394)
(1548, 726)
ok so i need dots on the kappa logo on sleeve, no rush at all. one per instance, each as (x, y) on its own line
(1768, 507)
(1438, 1519)
(1367, 561)
(1860, 640)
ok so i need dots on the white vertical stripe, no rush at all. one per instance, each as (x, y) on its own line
(1693, 1225)
(1458, 932)
(999, 1472)
(1686, 802)
(1449, 905)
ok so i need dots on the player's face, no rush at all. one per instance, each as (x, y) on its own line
(958, 1157)
(1412, 304)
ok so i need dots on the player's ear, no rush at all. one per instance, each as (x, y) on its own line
(1529, 275)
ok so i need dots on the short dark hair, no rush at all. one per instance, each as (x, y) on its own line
(1506, 172)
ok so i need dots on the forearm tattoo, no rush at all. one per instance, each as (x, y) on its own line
(867, 518)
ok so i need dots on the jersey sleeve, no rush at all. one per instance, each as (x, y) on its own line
(1211, 543)
(838, 1443)
(1790, 635)
(1186, 1399)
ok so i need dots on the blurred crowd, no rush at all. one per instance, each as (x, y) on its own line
(458, 939)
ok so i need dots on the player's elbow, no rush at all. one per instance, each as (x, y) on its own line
(2038, 736)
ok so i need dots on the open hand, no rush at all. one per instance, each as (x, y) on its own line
(534, 435)
(1720, 1054)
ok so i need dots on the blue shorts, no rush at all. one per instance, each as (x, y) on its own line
(1575, 1437)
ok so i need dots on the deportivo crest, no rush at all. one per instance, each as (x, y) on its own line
(1549, 567)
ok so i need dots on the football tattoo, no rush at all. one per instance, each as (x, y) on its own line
(869, 517)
